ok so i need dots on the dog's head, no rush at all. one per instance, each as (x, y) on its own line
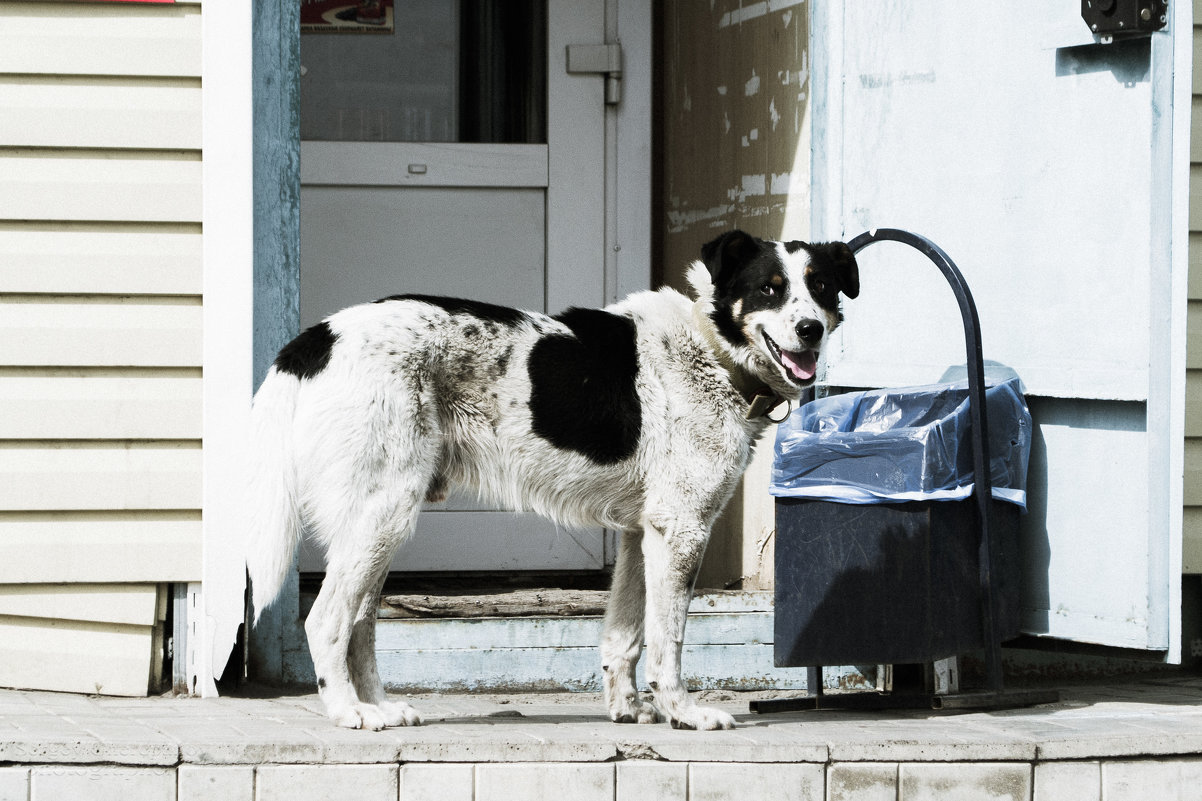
(774, 303)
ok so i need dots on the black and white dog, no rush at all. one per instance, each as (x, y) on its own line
(640, 417)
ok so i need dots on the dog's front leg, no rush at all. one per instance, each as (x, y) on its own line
(672, 557)
(622, 638)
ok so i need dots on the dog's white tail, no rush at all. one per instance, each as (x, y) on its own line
(275, 514)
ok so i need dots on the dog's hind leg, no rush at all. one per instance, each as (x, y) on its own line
(361, 660)
(622, 637)
(329, 628)
(672, 552)
(341, 624)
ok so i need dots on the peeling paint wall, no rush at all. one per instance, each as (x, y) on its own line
(736, 154)
(736, 89)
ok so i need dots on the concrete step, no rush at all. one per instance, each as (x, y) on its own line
(728, 646)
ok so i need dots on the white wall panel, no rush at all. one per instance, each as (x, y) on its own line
(993, 147)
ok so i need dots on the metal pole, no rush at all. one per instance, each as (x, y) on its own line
(983, 489)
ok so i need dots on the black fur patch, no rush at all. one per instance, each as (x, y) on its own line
(724, 320)
(308, 354)
(832, 270)
(583, 396)
(489, 312)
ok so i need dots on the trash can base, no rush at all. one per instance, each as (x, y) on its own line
(888, 583)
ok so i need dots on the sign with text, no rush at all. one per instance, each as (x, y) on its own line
(346, 16)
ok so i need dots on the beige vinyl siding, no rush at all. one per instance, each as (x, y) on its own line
(95, 546)
(108, 258)
(100, 337)
(97, 638)
(98, 331)
(109, 657)
(1192, 535)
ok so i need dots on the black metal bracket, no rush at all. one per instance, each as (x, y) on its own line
(993, 697)
(1109, 18)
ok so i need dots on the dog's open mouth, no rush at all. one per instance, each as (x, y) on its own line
(800, 366)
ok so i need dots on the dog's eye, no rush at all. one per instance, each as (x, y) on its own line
(819, 287)
(768, 289)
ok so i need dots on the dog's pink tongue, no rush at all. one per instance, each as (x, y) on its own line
(802, 364)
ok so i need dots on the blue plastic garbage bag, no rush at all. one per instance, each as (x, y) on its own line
(911, 444)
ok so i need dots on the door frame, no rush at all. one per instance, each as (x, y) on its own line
(215, 604)
(276, 143)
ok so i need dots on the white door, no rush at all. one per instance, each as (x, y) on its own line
(1052, 168)
(447, 150)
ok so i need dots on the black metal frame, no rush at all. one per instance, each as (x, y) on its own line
(993, 697)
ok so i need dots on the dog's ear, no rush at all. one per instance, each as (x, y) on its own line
(844, 268)
(725, 255)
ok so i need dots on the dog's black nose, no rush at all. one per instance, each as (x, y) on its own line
(809, 331)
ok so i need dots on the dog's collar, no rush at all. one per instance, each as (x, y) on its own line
(762, 402)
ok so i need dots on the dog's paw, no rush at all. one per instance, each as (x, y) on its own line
(347, 718)
(703, 718)
(399, 713)
(634, 710)
(359, 716)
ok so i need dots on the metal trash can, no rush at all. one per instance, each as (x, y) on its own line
(877, 531)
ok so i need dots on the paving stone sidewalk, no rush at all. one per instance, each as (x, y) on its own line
(1143, 717)
(1156, 721)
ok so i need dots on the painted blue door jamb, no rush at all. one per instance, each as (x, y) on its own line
(276, 76)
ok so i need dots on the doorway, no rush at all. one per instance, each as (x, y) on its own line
(446, 149)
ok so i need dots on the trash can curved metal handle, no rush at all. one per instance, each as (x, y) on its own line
(978, 415)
